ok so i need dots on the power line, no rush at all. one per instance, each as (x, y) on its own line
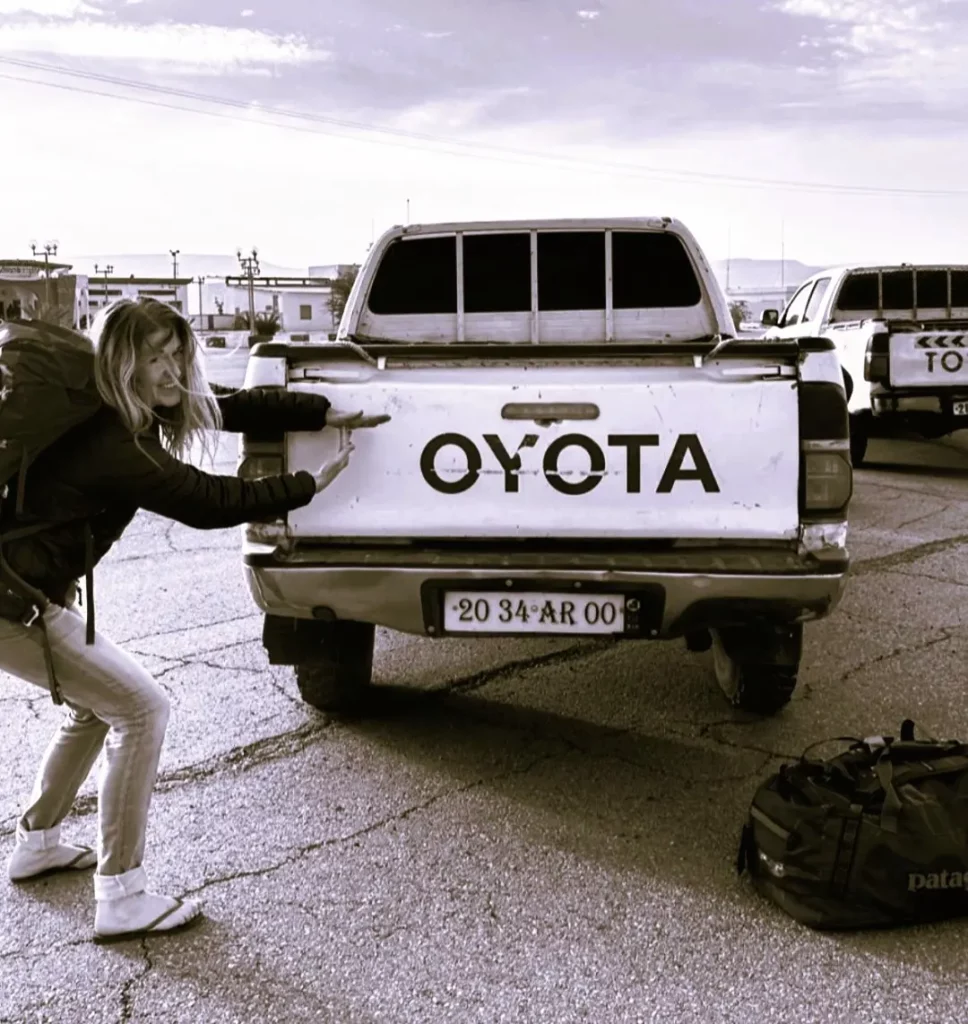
(317, 123)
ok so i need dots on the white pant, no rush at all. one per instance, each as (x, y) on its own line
(113, 703)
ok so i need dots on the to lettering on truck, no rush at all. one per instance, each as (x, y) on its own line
(687, 446)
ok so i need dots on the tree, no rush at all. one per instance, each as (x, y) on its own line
(267, 324)
(340, 291)
(739, 311)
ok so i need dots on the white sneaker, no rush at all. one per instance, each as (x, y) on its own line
(126, 910)
(39, 852)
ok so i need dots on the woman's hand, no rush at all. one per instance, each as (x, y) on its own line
(331, 469)
(354, 420)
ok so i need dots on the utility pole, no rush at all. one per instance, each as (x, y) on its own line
(105, 272)
(408, 211)
(174, 263)
(50, 249)
(250, 264)
(200, 279)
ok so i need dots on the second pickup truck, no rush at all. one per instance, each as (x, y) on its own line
(901, 334)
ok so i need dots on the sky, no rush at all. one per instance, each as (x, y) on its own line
(828, 130)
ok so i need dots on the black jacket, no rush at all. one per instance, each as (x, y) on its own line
(97, 476)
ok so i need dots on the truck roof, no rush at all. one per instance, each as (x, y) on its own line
(848, 268)
(578, 223)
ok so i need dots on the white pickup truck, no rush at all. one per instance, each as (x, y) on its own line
(901, 333)
(578, 447)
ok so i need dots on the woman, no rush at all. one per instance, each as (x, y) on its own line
(156, 402)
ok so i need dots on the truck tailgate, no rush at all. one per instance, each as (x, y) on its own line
(633, 452)
(935, 359)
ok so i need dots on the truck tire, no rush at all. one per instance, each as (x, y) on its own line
(860, 425)
(337, 677)
(754, 672)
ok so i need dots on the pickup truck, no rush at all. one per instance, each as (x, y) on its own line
(579, 447)
(901, 333)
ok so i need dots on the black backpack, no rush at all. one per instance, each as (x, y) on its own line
(47, 387)
(874, 837)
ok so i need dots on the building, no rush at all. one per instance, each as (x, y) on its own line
(63, 296)
(300, 303)
(105, 289)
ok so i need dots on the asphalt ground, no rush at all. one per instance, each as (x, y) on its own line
(547, 834)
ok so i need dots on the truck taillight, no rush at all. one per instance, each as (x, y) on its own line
(258, 457)
(251, 467)
(876, 362)
(826, 474)
(261, 456)
(827, 478)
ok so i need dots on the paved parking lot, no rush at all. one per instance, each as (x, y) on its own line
(549, 834)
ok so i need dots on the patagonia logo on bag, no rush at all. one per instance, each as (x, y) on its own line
(937, 880)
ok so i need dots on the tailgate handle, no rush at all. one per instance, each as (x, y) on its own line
(548, 412)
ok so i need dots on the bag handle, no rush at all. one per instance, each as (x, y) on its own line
(892, 802)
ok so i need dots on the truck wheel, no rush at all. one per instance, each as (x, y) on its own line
(859, 435)
(755, 672)
(337, 676)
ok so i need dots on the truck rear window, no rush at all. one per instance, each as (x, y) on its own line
(860, 290)
(650, 270)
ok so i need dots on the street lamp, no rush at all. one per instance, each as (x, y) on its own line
(50, 249)
(106, 271)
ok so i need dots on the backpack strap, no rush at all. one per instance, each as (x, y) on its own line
(884, 769)
(37, 601)
(846, 848)
(89, 582)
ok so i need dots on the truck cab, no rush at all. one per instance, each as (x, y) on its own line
(901, 335)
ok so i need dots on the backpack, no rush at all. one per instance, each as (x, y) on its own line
(47, 387)
(873, 837)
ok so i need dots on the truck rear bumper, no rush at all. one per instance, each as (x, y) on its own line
(920, 400)
(406, 597)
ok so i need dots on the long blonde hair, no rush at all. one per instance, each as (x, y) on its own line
(120, 335)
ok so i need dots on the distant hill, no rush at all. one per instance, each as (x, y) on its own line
(747, 273)
(743, 273)
(189, 265)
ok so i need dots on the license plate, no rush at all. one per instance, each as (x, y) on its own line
(476, 611)
(959, 408)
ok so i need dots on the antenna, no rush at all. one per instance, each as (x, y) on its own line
(729, 251)
(783, 258)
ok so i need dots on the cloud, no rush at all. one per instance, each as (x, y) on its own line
(204, 46)
(47, 8)
(621, 70)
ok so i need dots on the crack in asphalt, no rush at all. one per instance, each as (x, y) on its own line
(906, 556)
(476, 680)
(927, 576)
(125, 559)
(18, 954)
(705, 732)
(188, 629)
(946, 633)
(127, 995)
(671, 772)
(927, 515)
(303, 851)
